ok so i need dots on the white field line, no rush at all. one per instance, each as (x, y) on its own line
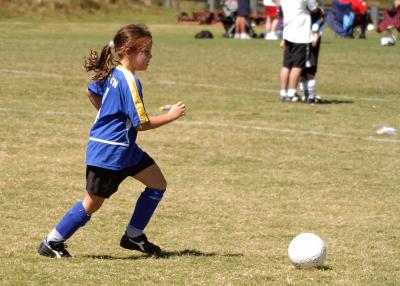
(222, 125)
(31, 74)
(269, 90)
(200, 85)
(285, 130)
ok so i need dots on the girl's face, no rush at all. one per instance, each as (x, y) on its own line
(141, 60)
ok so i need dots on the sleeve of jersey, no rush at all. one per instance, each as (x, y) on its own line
(317, 26)
(134, 106)
(95, 88)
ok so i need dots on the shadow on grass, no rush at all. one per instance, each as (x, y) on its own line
(164, 255)
(325, 268)
(335, 101)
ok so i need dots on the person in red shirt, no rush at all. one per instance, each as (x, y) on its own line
(360, 10)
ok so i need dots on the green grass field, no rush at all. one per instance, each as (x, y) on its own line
(246, 173)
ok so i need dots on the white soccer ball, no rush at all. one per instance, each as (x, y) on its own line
(307, 250)
(388, 41)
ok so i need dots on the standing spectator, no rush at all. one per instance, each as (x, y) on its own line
(296, 39)
(308, 82)
(271, 20)
(241, 20)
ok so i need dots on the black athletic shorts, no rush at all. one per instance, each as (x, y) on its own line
(312, 61)
(105, 182)
(295, 55)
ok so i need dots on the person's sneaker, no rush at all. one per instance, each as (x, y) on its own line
(313, 100)
(285, 99)
(139, 243)
(55, 250)
(273, 36)
(245, 36)
(295, 98)
(310, 100)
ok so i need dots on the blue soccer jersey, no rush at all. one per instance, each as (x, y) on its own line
(112, 140)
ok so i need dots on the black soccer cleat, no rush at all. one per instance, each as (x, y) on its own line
(139, 243)
(313, 100)
(54, 250)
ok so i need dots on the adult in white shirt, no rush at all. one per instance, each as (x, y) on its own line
(296, 38)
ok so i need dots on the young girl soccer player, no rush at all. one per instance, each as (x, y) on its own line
(112, 154)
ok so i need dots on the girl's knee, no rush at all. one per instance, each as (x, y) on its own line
(163, 184)
(92, 203)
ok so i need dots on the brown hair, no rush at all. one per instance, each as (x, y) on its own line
(134, 37)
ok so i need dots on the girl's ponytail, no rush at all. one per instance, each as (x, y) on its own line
(102, 65)
(134, 37)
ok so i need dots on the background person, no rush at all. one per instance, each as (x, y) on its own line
(241, 20)
(271, 20)
(308, 82)
(360, 11)
(296, 38)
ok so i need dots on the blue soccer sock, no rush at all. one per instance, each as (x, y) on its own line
(75, 218)
(144, 209)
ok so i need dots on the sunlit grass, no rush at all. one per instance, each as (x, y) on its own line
(246, 173)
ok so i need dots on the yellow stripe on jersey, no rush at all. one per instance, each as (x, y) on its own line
(137, 101)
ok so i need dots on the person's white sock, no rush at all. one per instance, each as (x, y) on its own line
(291, 92)
(311, 88)
(54, 236)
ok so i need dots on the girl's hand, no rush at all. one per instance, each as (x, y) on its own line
(177, 110)
(282, 44)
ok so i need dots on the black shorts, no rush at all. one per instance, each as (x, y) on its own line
(105, 182)
(312, 61)
(244, 8)
(295, 55)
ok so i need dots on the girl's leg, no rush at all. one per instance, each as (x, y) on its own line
(155, 183)
(92, 203)
(76, 217)
(152, 177)
(148, 200)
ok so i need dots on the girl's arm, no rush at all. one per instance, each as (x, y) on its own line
(94, 99)
(177, 110)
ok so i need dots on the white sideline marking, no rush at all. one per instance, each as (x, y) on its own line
(222, 125)
(31, 74)
(285, 130)
(257, 89)
(203, 85)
